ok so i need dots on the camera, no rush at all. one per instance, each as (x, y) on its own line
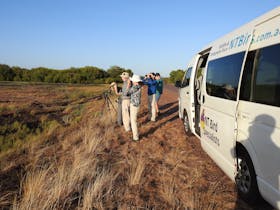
(106, 93)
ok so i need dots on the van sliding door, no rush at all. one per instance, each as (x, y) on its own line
(218, 109)
(197, 90)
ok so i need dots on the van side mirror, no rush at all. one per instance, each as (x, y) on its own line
(178, 84)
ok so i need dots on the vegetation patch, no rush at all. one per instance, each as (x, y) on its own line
(29, 111)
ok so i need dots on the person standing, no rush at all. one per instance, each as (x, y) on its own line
(125, 101)
(118, 92)
(150, 81)
(135, 100)
(159, 89)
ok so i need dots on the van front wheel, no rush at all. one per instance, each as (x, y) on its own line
(246, 179)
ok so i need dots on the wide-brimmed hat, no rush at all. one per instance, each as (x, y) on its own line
(125, 75)
(135, 78)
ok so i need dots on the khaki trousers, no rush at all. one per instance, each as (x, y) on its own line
(133, 120)
(125, 114)
(119, 114)
(152, 106)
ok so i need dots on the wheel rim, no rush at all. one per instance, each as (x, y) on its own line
(244, 177)
(186, 123)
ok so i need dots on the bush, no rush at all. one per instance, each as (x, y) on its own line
(176, 75)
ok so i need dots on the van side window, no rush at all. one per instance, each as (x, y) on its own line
(223, 76)
(246, 83)
(187, 77)
(261, 77)
(267, 80)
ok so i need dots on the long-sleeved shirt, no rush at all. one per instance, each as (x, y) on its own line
(159, 86)
(135, 95)
(152, 84)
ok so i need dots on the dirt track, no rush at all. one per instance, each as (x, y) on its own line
(165, 144)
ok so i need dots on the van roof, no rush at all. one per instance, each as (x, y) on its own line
(257, 21)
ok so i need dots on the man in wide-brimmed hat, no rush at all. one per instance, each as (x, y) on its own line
(125, 100)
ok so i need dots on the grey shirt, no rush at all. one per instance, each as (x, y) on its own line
(125, 90)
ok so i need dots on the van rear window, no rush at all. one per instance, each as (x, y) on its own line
(223, 76)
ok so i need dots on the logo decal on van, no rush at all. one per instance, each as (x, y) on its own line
(238, 41)
(265, 36)
(207, 122)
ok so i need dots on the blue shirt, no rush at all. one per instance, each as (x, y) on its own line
(152, 85)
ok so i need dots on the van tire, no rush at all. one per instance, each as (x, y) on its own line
(245, 179)
(186, 123)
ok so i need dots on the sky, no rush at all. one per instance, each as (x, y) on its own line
(141, 35)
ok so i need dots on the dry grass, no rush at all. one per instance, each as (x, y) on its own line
(93, 165)
(168, 191)
(91, 176)
(82, 177)
(136, 168)
(4, 200)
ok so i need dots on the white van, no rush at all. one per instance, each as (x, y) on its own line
(230, 98)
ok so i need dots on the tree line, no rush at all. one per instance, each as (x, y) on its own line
(82, 75)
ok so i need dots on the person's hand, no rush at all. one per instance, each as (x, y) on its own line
(113, 84)
(151, 76)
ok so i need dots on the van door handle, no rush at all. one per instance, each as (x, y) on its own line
(203, 99)
(187, 93)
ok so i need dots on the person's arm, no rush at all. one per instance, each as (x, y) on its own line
(149, 81)
(153, 82)
(134, 89)
(128, 84)
(114, 87)
(145, 81)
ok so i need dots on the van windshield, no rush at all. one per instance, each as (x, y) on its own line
(187, 77)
